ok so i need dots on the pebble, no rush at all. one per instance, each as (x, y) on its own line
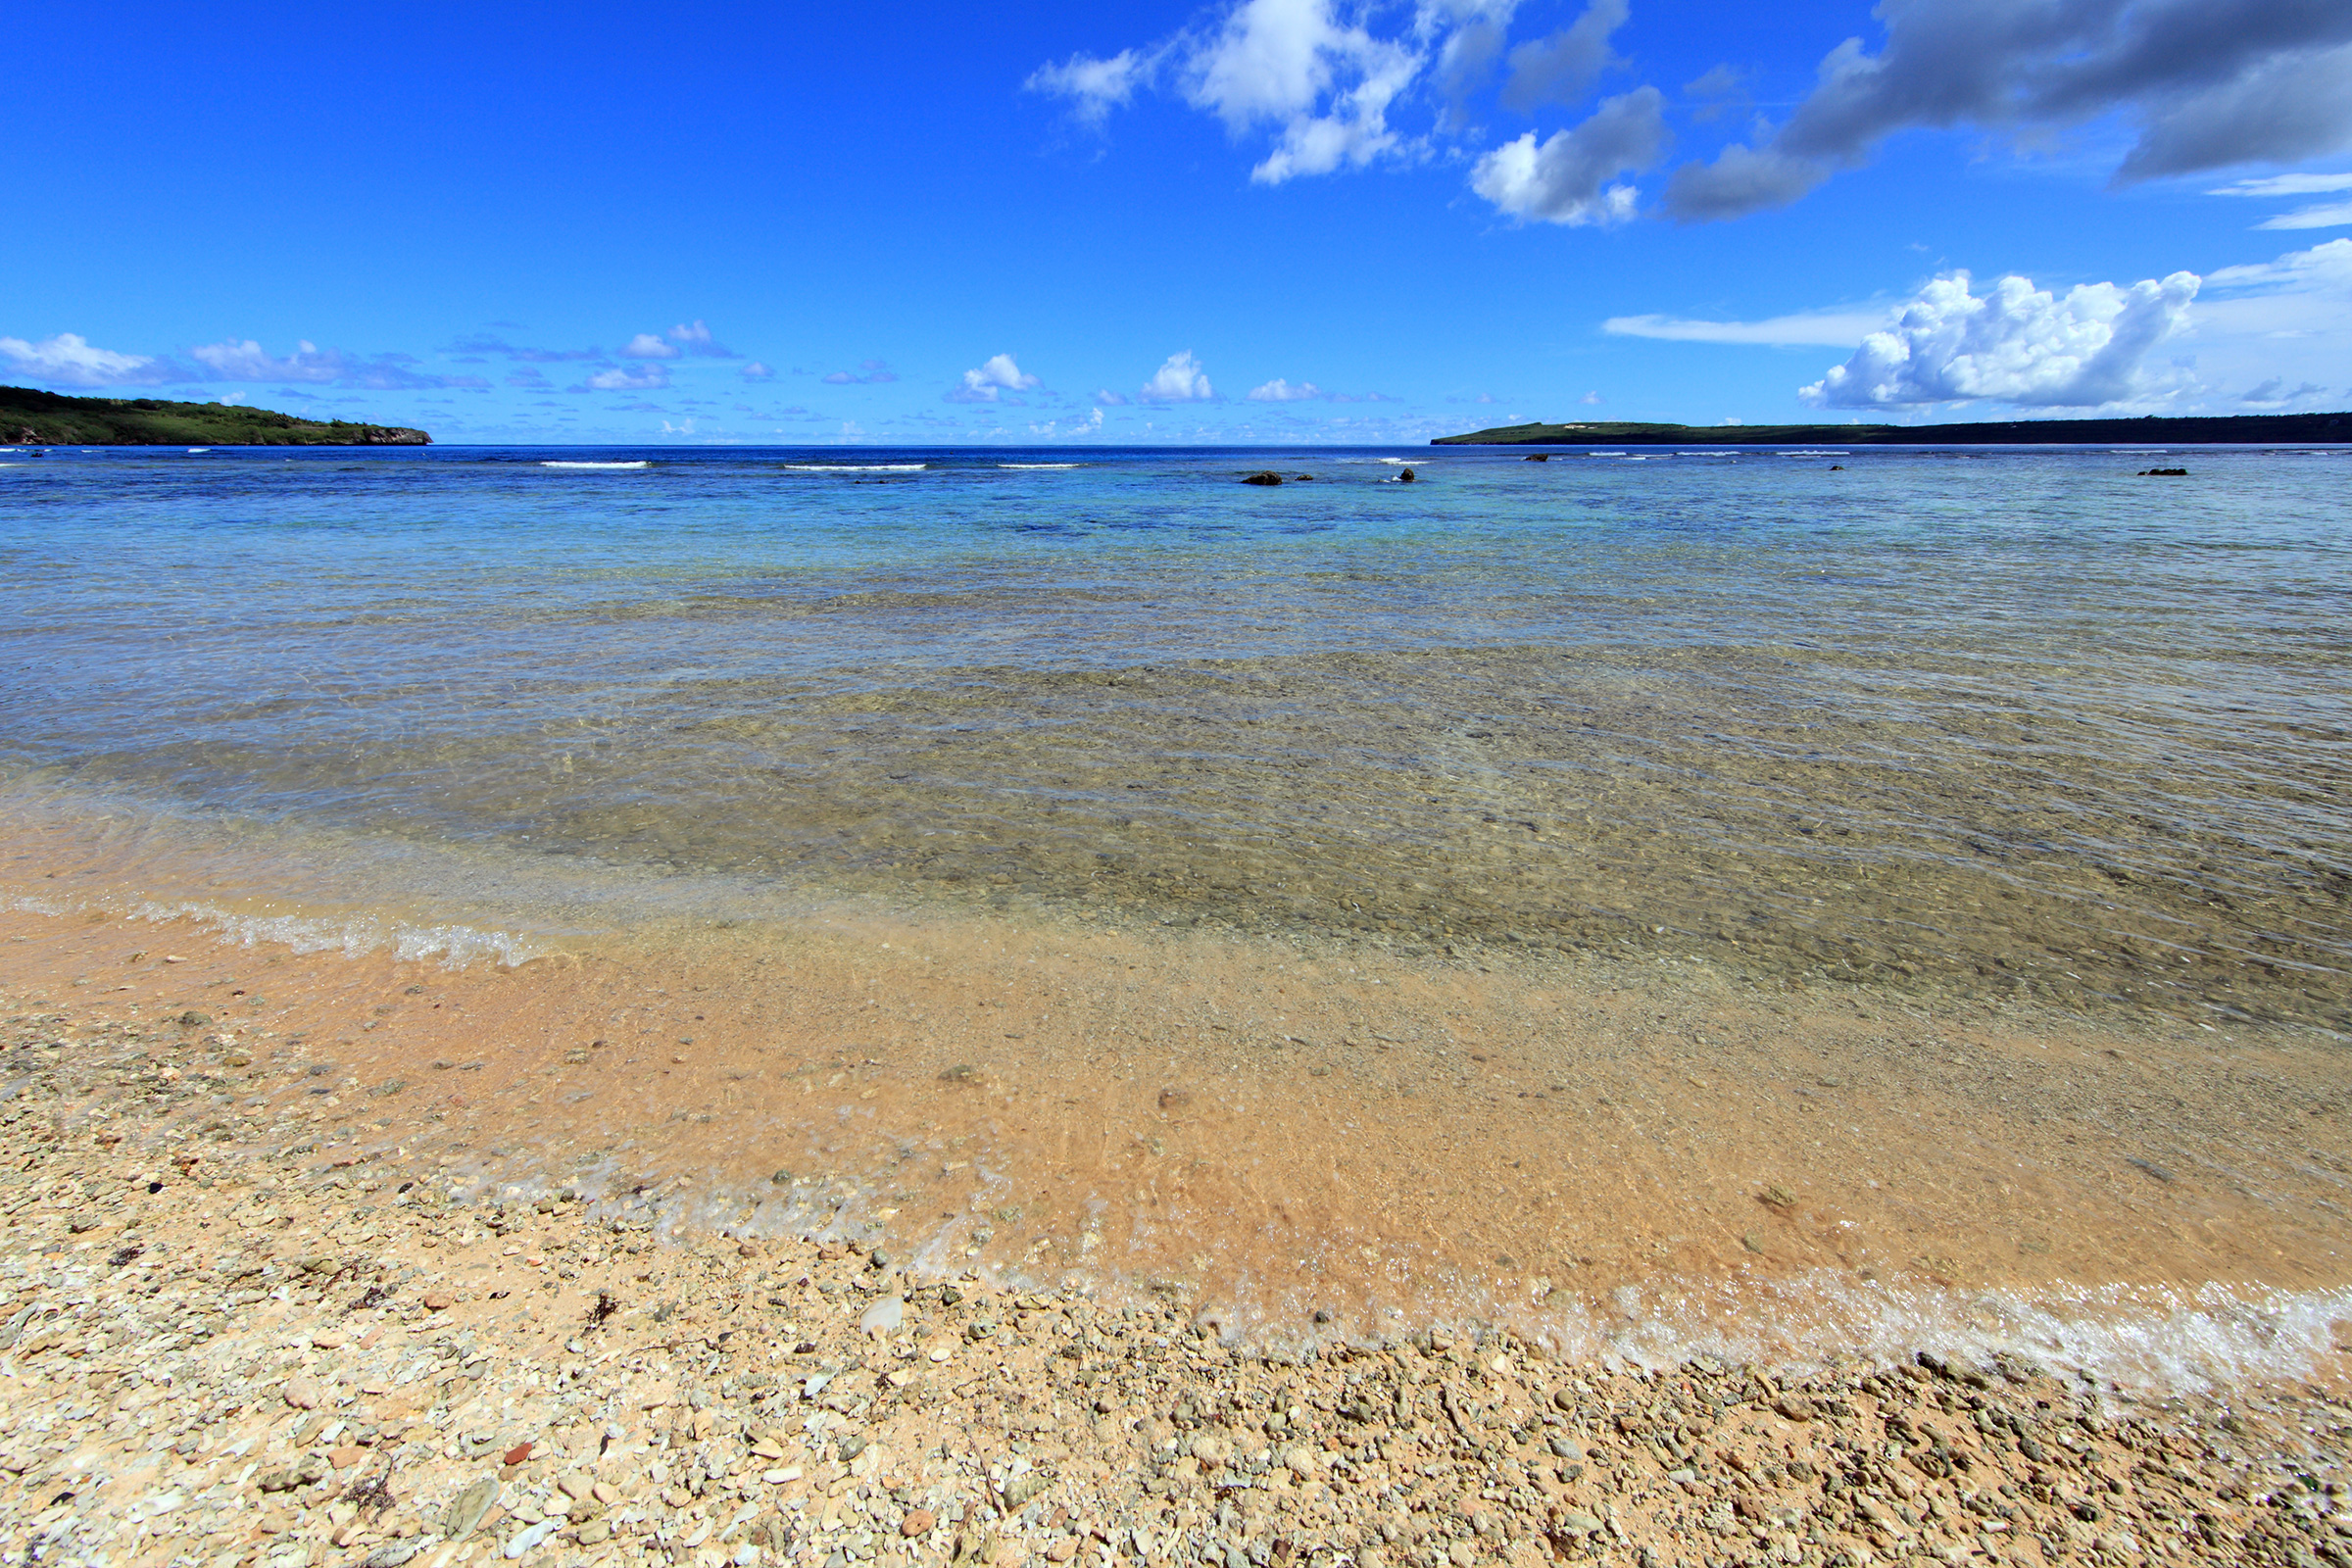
(755, 1423)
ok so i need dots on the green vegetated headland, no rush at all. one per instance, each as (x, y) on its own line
(2257, 429)
(35, 418)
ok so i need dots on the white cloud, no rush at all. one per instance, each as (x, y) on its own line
(2285, 185)
(70, 360)
(1180, 379)
(1086, 426)
(2320, 215)
(1297, 66)
(1313, 72)
(622, 379)
(997, 375)
(248, 361)
(2013, 344)
(647, 346)
(695, 338)
(1832, 328)
(1278, 390)
(869, 373)
(1566, 179)
(1110, 399)
(1093, 87)
(756, 371)
(2290, 316)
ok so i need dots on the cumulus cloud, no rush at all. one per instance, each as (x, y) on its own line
(1110, 399)
(626, 378)
(756, 371)
(1559, 68)
(2013, 344)
(70, 360)
(1832, 328)
(647, 346)
(692, 337)
(1567, 179)
(1278, 390)
(1179, 379)
(1312, 73)
(997, 375)
(869, 373)
(2207, 83)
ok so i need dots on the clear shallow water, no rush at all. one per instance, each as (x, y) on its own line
(1982, 723)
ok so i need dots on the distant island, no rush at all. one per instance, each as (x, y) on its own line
(35, 419)
(2236, 428)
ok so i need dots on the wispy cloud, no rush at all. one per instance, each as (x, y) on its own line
(625, 379)
(1279, 391)
(869, 373)
(1832, 328)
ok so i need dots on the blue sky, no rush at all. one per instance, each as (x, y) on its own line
(1282, 220)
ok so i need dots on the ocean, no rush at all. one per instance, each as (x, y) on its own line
(1716, 785)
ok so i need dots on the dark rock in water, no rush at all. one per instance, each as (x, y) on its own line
(1536, 456)
(1405, 476)
(1263, 478)
(2164, 474)
(1303, 477)
(1837, 468)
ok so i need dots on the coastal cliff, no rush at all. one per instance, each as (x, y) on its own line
(2258, 428)
(31, 417)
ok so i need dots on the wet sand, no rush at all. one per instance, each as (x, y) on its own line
(214, 1353)
(1302, 1143)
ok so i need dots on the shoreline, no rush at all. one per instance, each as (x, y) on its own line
(310, 1355)
(1302, 1151)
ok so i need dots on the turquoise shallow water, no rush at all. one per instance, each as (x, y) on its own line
(1989, 723)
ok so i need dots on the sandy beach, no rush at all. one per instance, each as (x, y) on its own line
(276, 1296)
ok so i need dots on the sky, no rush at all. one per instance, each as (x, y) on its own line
(1270, 220)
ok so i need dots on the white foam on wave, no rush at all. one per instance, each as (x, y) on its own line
(2140, 1338)
(2214, 1337)
(455, 945)
(1041, 464)
(192, 451)
(1706, 453)
(640, 463)
(1817, 454)
(858, 468)
(1406, 462)
(1604, 454)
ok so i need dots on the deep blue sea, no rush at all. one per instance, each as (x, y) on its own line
(1986, 721)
